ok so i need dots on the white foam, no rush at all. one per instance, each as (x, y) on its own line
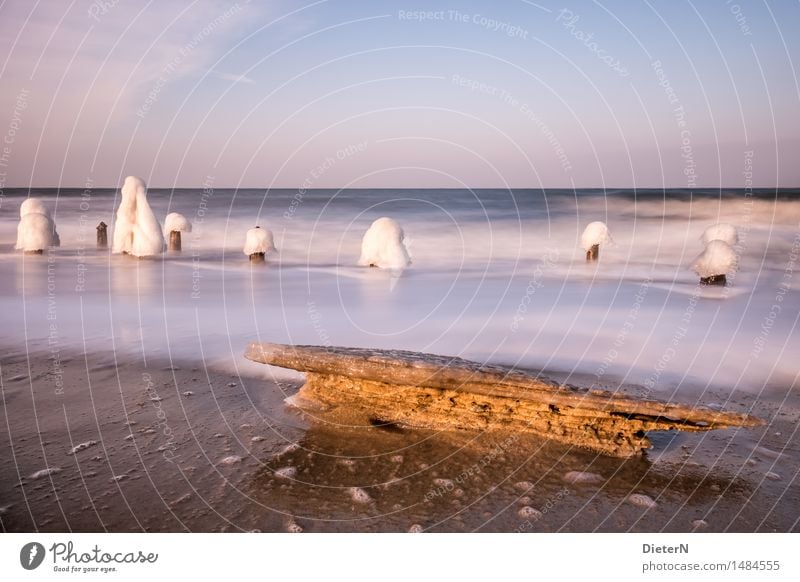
(45, 472)
(82, 447)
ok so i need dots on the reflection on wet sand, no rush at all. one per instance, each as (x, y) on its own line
(384, 478)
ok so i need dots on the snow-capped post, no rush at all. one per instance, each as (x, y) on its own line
(258, 243)
(136, 229)
(383, 247)
(714, 263)
(36, 230)
(722, 231)
(595, 234)
(102, 235)
(174, 225)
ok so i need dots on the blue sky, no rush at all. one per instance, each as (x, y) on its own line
(395, 94)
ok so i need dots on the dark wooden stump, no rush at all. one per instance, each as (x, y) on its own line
(175, 241)
(593, 253)
(102, 236)
(714, 280)
(258, 258)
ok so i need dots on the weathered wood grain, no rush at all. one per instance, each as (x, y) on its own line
(426, 390)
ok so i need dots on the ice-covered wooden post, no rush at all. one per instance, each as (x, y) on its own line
(718, 259)
(137, 231)
(383, 247)
(102, 235)
(714, 263)
(36, 230)
(595, 234)
(174, 225)
(258, 243)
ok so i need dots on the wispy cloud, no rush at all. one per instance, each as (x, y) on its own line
(233, 78)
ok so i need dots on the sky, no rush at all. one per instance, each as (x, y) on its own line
(339, 93)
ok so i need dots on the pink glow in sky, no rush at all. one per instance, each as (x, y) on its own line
(377, 94)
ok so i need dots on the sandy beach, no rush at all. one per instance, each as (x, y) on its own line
(100, 443)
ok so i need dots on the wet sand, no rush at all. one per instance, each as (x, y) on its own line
(176, 446)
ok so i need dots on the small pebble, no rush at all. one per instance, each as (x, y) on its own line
(292, 527)
(231, 460)
(358, 495)
(641, 500)
(286, 472)
(232, 384)
(188, 393)
(528, 512)
(523, 485)
(257, 439)
(446, 483)
(773, 476)
(583, 478)
(416, 528)
(396, 459)
(699, 524)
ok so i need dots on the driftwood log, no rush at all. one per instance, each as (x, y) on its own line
(425, 390)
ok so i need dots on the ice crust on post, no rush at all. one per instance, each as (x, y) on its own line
(258, 242)
(383, 246)
(722, 231)
(595, 234)
(136, 229)
(36, 230)
(174, 225)
(717, 260)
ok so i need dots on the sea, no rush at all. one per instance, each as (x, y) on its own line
(496, 276)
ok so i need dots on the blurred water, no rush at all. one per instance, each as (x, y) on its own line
(497, 275)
